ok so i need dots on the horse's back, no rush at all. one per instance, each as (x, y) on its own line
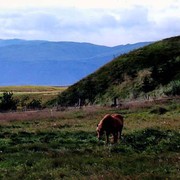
(118, 118)
(113, 121)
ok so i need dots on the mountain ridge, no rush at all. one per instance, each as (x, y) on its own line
(53, 63)
(150, 71)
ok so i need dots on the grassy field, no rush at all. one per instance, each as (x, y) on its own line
(31, 89)
(44, 93)
(63, 145)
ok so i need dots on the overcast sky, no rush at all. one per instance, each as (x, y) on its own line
(105, 22)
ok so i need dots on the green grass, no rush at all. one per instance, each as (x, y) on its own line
(65, 146)
(31, 89)
(44, 93)
(151, 71)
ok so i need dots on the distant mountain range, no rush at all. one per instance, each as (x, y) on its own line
(25, 62)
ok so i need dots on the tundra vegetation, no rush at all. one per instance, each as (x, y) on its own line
(63, 144)
(51, 144)
(27, 97)
(149, 72)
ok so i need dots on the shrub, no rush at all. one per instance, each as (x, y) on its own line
(173, 88)
(8, 102)
(158, 110)
(35, 104)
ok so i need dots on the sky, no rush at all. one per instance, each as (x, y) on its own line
(103, 22)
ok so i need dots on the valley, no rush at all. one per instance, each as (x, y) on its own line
(49, 132)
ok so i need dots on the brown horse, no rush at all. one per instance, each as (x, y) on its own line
(110, 124)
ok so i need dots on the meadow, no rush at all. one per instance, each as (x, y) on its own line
(63, 144)
(43, 93)
(28, 89)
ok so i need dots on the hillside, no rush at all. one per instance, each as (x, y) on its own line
(53, 63)
(153, 70)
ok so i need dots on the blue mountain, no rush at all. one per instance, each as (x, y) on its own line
(36, 62)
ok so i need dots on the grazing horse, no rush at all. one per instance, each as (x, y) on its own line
(110, 124)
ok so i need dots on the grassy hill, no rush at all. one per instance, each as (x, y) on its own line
(153, 70)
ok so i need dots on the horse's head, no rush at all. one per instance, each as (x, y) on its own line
(101, 127)
(100, 131)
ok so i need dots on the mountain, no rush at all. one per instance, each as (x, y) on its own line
(151, 71)
(53, 63)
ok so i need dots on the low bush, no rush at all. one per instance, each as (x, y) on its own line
(173, 88)
(35, 104)
(7, 102)
(158, 110)
(153, 140)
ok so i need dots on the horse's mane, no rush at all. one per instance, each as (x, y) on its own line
(102, 121)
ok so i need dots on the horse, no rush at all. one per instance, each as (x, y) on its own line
(110, 124)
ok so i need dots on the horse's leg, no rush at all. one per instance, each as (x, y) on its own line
(120, 132)
(115, 135)
(107, 138)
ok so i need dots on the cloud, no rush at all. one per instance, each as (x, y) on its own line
(137, 16)
(112, 26)
(29, 21)
(81, 4)
(67, 20)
